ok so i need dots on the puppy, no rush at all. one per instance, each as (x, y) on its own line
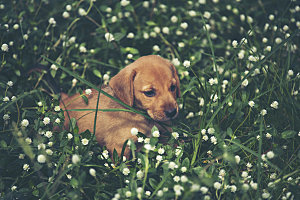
(149, 84)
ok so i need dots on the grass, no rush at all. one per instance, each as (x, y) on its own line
(237, 133)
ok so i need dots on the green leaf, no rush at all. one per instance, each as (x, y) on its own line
(85, 99)
(153, 183)
(97, 73)
(118, 36)
(288, 134)
(3, 144)
(116, 156)
(151, 23)
(74, 183)
(186, 162)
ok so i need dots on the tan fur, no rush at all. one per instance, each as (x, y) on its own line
(114, 128)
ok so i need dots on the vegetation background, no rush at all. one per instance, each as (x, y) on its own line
(237, 135)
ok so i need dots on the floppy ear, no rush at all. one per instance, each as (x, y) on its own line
(122, 85)
(177, 80)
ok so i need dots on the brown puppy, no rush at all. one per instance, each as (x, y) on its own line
(150, 84)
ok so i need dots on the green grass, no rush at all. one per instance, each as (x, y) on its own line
(239, 120)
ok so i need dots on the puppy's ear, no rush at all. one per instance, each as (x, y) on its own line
(122, 85)
(177, 80)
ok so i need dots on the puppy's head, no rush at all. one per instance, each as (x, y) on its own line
(151, 84)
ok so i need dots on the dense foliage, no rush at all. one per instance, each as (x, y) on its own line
(237, 135)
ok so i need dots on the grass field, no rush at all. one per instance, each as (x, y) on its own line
(237, 134)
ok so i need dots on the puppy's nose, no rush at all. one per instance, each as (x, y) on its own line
(171, 113)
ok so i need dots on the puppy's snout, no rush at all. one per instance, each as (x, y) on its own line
(171, 113)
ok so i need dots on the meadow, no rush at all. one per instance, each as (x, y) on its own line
(237, 135)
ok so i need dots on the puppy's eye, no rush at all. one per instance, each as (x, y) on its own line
(150, 93)
(173, 88)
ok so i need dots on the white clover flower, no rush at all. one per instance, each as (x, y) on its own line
(88, 91)
(159, 158)
(57, 120)
(109, 37)
(187, 63)
(205, 137)
(130, 35)
(183, 169)
(28, 140)
(244, 174)
(217, 185)
(166, 30)
(13, 188)
(202, 1)
(237, 159)
(278, 40)
(161, 151)
(52, 21)
(268, 135)
(241, 54)
(126, 171)
(140, 174)
(21, 156)
(204, 190)
(160, 193)
(24, 123)
(213, 140)
(175, 61)
(85, 141)
(184, 179)
(222, 172)
(156, 29)
(82, 49)
(274, 104)
(10, 83)
(6, 99)
(92, 172)
(175, 135)
(105, 77)
(140, 139)
(134, 131)
(46, 120)
(50, 144)
(41, 146)
(75, 159)
(82, 12)
(176, 179)
(49, 152)
(184, 25)
(177, 189)
(4, 47)
(211, 131)
(206, 15)
(172, 165)
(26, 167)
(263, 112)
(245, 83)
(124, 3)
(156, 48)
(48, 134)
(69, 176)
(248, 165)
(290, 73)
(253, 185)
(66, 14)
(270, 155)
(128, 194)
(174, 19)
(265, 195)
(234, 43)
(6, 117)
(41, 158)
(155, 134)
(70, 136)
(268, 48)
(233, 188)
(251, 104)
(181, 44)
(271, 17)
(190, 115)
